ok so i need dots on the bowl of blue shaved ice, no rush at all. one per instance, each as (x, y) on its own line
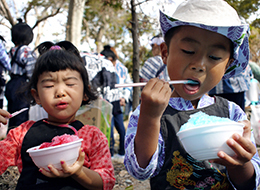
(203, 136)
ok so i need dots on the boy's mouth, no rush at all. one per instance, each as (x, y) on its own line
(193, 87)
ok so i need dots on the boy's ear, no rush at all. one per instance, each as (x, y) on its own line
(35, 96)
(164, 52)
(229, 62)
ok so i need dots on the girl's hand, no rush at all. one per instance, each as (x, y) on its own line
(4, 116)
(66, 171)
(242, 146)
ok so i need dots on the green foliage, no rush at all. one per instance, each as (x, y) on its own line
(245, 8)
(256, 23)
(113, 20)
(104, 20)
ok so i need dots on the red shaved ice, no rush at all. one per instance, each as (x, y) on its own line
(58, 140)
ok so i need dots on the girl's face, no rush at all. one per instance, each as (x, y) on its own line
(60, 94)
(196, 54)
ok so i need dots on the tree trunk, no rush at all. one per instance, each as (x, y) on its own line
(136, 64)
(74, 23)
(98, 39)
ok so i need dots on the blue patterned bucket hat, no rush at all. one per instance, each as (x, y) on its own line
(216, 16)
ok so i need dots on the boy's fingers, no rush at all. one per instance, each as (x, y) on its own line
(247, 129)
(243, 148)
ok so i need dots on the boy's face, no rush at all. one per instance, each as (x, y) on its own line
(199, 55)
(60, 94)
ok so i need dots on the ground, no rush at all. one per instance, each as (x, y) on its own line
(124, 181)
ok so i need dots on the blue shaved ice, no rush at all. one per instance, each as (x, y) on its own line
(200, 118)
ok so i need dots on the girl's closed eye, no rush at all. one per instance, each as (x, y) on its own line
(70, 84)
(48, 85)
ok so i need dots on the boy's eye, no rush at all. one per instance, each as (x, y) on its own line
(214, 57)
(188, 52)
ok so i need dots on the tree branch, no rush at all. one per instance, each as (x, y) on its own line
(5, 10)
(137, 4)
(46, 17)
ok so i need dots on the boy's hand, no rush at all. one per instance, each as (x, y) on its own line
(155, 97)
(240, 168)
(242, 146)
(66, 170)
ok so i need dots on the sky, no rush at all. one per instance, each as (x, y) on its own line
(56, 24)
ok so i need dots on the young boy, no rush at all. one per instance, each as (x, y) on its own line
(205, 42)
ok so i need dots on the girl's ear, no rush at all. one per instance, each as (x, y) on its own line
(35, 96)
(85, 98)
(229, 62)
(164, 52)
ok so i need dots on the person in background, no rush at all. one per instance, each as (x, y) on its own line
(124, 94)
(102, 76)
(123, 77)
(22, 62)
(206, 42)
(255, 69)
(61, 85)
(154, 66)
(4, 67)
(234, 88)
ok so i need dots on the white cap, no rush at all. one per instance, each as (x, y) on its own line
(156, 40)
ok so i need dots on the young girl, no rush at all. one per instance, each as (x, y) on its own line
(60, 85)
(204, 41)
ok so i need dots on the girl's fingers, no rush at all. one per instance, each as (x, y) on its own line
(66, 170)
(5, 113)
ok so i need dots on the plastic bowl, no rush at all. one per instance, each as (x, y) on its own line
(204, 142)
(68, 152)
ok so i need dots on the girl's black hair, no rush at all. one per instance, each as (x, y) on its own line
(107, 52)
(21, 33)
(65, 57)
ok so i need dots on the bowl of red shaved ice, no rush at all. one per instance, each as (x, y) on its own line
(203, 136)
(65, 147)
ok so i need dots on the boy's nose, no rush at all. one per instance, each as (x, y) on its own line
(198, 65)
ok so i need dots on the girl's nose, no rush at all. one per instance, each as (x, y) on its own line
(60, 94)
